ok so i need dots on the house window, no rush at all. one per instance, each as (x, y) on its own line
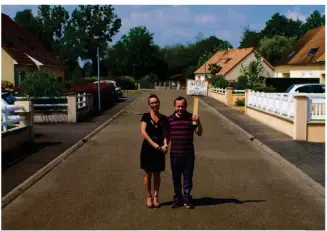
(313, 51)
(291, 54)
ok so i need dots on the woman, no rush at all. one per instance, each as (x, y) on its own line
(154, 148)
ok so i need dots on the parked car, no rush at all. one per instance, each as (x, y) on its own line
(306, 88)
(7, 100)
(118, 90)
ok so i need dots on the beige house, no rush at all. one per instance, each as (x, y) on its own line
(231, 62)
(22, 52)
(306, 59)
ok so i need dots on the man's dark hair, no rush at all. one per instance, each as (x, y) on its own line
(179, 98)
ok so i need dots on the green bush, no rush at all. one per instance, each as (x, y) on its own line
(242, 83)
(126, 82)
(219, 81)
(151, 77)
(42, 84)
(240, 102)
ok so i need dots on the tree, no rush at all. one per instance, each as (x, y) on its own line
(214, 69)
(91, 26)
(313, 21)
(280, 25)
(253, 72)
(273, 48)
(52, 22)
(135, 50)
(250, 38)
(28, 21)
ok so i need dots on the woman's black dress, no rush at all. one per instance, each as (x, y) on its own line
(153, 160)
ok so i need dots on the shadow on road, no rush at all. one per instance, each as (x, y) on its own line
(205, 201)
(16, 155)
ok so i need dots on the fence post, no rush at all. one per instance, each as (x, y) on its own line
(28, 113)
(229, 96)
(71, 108)
(89, 102)
(246, 95)
(300, 117)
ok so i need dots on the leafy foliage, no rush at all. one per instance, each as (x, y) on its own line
(219, 81)
(273, 48)
(126, 82)
(42, 84)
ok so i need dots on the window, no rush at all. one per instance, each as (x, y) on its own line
(291, 54)
(313, 51)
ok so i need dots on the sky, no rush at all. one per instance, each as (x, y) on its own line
(183, 23)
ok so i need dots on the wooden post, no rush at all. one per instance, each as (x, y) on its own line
(195, 106)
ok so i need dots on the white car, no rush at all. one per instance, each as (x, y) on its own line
(306, 88)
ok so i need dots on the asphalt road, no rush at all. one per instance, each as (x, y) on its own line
(236, 185)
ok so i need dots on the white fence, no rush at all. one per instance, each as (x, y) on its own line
(8, 118)
(224, 91)
(219, 90)
(283, 104)
(81, 100)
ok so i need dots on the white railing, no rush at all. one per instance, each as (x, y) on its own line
(316, 109)
(81, 100)
(283, 104)
(277, 103)
(238, 92)
(45, 105)
(10, 119)
(219, 90)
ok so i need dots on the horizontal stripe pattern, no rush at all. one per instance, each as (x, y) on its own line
(181, 134)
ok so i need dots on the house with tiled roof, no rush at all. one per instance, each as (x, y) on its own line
(22, 52)
(306, 59)
(231, 62)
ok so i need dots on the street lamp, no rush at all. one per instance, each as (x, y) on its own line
(98, 56)
(99, 92)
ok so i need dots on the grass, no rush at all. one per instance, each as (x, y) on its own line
(131, 92)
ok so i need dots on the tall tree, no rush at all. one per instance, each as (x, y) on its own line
(53, 22)
(314, 20)
(28, 21)
(135, 53)
(91, 26)
(273, 48)
(250, 38)
(280, 25)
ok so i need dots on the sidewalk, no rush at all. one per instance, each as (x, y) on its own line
(50, 141)
(309, 157)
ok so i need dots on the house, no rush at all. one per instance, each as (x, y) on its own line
(231, 62)
(22, 52)
(306, 59)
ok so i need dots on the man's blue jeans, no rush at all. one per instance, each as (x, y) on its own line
(182, 165)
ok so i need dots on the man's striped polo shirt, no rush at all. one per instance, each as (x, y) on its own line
(181, 135)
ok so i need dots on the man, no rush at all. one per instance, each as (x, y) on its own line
(181, 132)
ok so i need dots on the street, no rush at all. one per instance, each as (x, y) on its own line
(100, 186)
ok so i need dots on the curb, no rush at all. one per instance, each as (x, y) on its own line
(275, 155)
(18, 190)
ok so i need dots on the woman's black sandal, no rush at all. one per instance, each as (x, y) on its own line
(149, 206)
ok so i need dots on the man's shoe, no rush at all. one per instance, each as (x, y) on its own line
(188, 205)
(176, 204)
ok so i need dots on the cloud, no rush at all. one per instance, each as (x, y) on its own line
(205, 19)
(295, 15)
(175, 23)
